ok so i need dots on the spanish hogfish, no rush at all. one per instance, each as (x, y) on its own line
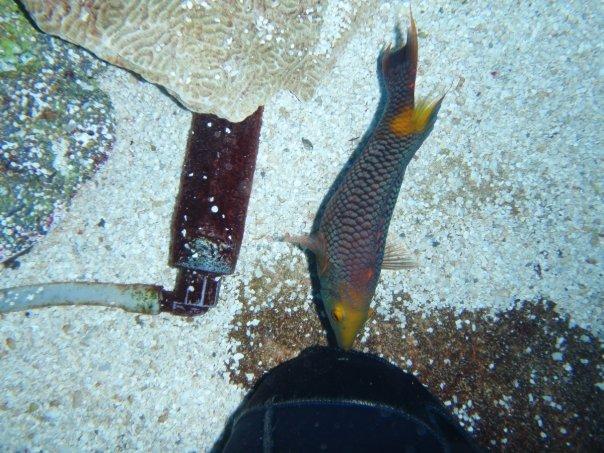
(350, 241)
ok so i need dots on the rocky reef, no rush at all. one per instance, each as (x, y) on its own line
(58, 131)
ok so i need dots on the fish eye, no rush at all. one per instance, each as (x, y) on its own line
(337, 313)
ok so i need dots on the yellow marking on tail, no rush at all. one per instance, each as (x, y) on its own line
(413, 120)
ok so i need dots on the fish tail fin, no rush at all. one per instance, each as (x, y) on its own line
(399, 69)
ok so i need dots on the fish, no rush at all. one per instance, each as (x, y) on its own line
(350, 241)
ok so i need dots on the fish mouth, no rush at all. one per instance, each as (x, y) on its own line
(345, 340)
(347, 329)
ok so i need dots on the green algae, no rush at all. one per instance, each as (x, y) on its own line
(18, 43)
(58, 130)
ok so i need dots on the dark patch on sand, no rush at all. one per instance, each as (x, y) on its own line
(524, 379)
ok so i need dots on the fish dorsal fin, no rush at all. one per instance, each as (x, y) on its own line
(397, 257)
(313, 242)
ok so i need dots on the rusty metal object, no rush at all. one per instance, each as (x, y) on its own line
(207, 229)
(209, 216)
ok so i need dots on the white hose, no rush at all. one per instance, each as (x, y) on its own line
(134, 298)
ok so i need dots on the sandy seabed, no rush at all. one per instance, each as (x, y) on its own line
(502, 204)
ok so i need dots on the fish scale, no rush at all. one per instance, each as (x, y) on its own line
(362, 205)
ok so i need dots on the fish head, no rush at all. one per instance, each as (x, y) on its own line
(347, 316)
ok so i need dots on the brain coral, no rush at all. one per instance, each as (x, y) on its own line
(221, 57)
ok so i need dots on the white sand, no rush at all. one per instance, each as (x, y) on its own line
(508, 180)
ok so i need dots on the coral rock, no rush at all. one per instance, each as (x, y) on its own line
(56, 129)
(225, 58)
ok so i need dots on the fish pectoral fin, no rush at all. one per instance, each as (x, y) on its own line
(313, 242)
(397, 257)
